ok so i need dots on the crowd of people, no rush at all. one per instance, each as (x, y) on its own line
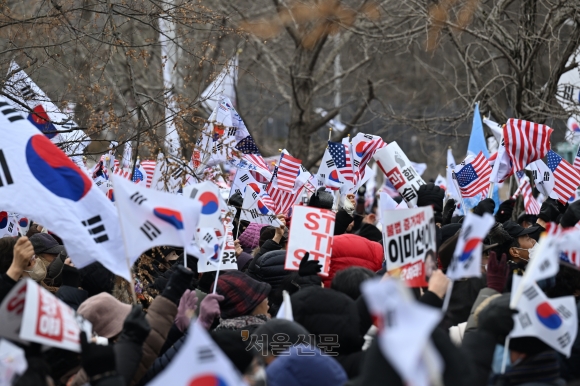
(332, 337)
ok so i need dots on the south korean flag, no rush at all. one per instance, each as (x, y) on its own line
(553, 321)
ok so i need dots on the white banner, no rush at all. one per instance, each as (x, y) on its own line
(32, 314)
(409, 244)
(311, 231)
(228, 253)
(400, 172)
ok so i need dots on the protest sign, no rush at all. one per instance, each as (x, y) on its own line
(32, 314)
(409, 244)
(228, 252)
(399, 171)
(311, 231)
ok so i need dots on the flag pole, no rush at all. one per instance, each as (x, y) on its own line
(217, 272)
(454, 177)
(505, 354)
(447, 297)
(490, 192)
(132, 280)
(329, 133)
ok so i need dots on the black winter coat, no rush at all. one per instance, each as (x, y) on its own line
(269, 268)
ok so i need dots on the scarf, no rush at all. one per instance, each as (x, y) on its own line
(541, 368)
(241, 322)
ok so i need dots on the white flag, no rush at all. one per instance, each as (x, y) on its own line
(553, 321)
(168, 174)
(39, 181)
(254, 210)
(23, 224)
(208, 194)
(8, 225)
(502, 165)
(223, 85)
(495, 128)
(285, 311)
(451, 187)
(327, 173)
(405, 327)
(441, 181)
(150, 218)
(466, 261)
(127, 153)
(543, 178)
(45, 116)
(199, 362)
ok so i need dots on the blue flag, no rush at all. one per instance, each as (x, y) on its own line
(477, 140)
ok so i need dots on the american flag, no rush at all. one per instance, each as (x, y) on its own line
(120, 172)
(526, 141)
(566, 178)
(149, 167)
(251, 153)
(342, 160)
(473, 178)
(577, 160)
(282, 199)
(288, 170)
(137, 176)
(525, 189)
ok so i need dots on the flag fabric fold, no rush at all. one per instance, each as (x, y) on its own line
(473, 178)
(526, 142)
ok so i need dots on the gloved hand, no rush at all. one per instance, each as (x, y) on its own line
(549, 211)
(309, 267)
(571, 216)
(497, 272)
(448, 211)
(431, 194)
(136, 328)
(179, 281)
(484, 206)
(97, 359)
(209, 309)
(496, 318)
(185, 310)
(505, 211)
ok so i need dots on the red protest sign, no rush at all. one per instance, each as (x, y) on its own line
(311, 231)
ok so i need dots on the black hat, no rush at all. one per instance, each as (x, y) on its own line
(321, 199)
(515, 230)
(45, 243)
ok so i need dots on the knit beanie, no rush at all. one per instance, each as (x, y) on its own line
(106, 314)
(241, 293)
(251, 236)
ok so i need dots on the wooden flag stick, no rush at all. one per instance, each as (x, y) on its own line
(329, 133)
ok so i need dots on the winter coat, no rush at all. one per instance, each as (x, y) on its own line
(269, 245)
(370, 232)
(353, 251)
(72, 296)
(269, 268)
(6, 285)
(463, 295)
(160, 316)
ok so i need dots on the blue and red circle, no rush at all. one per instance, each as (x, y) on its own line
(207, 380)
(468, 249)
(39, 118)
(54, 170)
(262, 208)
(209, 203)
(170, 216)
(548, 316)
(360, 149)
(3, 220)
(333, 176)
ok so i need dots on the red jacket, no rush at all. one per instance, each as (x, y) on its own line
(350, 250)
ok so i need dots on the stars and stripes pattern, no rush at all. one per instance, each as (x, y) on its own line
(473, 178)
(251, 153)
(576, 163)
(525, 189)
(288, 170)
(342, 160)
(566, 177)
(364, 147)
(282, 199)
(149, 167)
(526, 142)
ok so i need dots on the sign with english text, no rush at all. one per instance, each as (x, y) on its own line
(409, 244)
(311, 231)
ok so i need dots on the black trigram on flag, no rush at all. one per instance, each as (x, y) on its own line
(208, 238)
(330, 163)
(150, 230)
(193, 193)
(356, 163)
(569, 92)
(244, 178)
(96, 228)
(5, 176)
(232, 131)
(205, 354)
(254, 213)
(138, 198)
(531, 293)
(254, 195)
(27, 92)
(10, 113)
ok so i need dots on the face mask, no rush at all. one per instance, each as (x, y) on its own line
(38, 272)
(532, 251)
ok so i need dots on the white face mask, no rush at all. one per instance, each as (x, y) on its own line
(532, 251)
